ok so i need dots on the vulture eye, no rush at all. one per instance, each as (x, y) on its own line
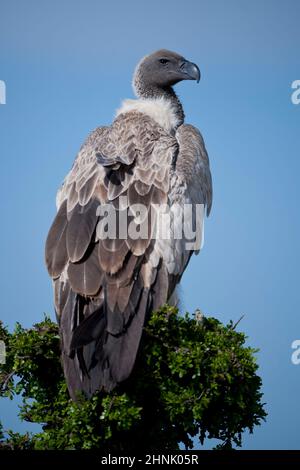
(163, 61)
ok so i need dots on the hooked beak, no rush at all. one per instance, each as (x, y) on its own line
(190, 70)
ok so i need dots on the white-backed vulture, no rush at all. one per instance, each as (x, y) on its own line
(106, 287)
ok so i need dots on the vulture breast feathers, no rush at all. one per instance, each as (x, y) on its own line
(111, 249)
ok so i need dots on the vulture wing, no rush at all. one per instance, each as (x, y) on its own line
(192, 167)
(105, 287)
(189, 196)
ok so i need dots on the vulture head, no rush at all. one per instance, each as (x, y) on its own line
(161, 70)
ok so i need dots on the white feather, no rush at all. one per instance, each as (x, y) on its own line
(159, 109)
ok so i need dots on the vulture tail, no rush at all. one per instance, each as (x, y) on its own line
(99, 346)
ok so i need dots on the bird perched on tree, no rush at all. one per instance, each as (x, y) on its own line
(147, 165)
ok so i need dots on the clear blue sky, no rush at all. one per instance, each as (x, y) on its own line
(67, 66)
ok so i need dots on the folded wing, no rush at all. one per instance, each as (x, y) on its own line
(104, 287)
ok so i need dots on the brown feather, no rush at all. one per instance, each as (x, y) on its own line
(111, 258)
(87, 190)
(124, 294)
(122, 351)
(142, 188)
(143, 233)
(72, 196)
(86, 276)
(136, 198)
(55, 251)
(61, 293)
(160, 288)
(124, 275)
(80, 229)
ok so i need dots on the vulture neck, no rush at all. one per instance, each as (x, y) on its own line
(167, 93)
(160, 104)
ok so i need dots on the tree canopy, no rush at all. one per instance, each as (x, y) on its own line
(194, 379)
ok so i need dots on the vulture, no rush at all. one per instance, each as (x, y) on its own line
(117, 247)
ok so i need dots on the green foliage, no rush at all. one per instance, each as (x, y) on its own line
(193, 377)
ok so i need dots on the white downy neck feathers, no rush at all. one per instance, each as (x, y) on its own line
(160, 109)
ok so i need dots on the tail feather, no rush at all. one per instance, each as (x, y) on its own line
(98, 351)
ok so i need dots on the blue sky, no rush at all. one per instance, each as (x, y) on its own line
(68, 64)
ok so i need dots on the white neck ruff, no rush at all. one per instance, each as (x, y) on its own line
(160, 109)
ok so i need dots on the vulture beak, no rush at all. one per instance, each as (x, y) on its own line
(190, 70)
